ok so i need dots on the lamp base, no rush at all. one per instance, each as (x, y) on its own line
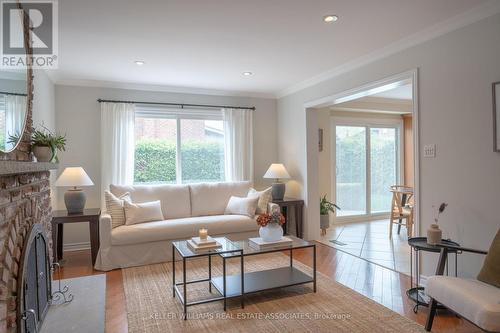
(75, 201)
(278, 191)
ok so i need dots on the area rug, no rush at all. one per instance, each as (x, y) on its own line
(333, 308)
(85, 313)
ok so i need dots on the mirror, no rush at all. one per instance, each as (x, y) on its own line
(13, 107)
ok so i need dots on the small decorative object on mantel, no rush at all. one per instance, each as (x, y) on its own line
(277, 171)
(434, 234)
(270, 226)
(325, 207)
(45, 144)
(75, 198)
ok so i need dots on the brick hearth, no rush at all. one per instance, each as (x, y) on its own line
(24, 200)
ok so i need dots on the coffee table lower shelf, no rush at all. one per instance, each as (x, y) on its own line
(261, 281)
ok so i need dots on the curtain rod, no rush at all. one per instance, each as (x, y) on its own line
(182, 105)
(9, 93)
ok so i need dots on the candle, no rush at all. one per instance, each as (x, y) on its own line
(203, 233)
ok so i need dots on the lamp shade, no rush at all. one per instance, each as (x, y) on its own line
(277, 171)
(74, 176)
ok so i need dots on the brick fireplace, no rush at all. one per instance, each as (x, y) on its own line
(24, 202)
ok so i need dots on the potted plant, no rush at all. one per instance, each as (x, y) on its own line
(325, 207)
(270, 226)
(45, 144)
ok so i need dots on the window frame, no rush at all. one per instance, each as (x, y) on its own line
(177, 114)
(368, 123)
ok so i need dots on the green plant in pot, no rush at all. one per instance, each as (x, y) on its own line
(45, 144)
(325, 207)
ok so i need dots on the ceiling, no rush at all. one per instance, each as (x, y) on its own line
(209, 44)
(403, 92)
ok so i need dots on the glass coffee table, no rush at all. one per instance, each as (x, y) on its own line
(230, 286)
(185, 252)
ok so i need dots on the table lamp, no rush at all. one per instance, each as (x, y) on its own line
(75, 198)
(277, 171)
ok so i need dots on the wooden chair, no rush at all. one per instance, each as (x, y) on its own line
(401, 209)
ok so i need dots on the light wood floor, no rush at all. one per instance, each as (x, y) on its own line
(378, 283)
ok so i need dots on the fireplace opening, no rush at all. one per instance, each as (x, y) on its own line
(34, 289)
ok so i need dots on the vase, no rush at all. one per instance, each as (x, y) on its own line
(434, 234)
(324, 223)
(272, 232)
(43, 153)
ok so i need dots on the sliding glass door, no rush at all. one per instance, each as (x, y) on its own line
(367, 162)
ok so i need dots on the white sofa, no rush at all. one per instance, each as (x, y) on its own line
(186, 208)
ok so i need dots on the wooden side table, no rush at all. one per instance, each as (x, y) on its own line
(60, 217)
(286, 205)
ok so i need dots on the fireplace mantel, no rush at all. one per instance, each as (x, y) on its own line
(18, 167)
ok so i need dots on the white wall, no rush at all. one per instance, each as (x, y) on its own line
(44, 111)
(455, 75)
(78, 115)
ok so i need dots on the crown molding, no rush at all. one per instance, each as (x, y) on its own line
(473, 15)
(157, 88)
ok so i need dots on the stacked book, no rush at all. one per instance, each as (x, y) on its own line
(260, 244)
(197, 244)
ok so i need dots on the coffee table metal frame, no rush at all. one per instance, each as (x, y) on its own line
(266, 279)
(193, 255)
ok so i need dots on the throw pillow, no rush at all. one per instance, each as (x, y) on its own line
(264, 196)
(114, 207)
(142, 212)
(490, 273)
(242, 206)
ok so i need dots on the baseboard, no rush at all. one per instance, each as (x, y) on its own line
(76, 246)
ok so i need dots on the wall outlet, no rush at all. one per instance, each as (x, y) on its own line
(430, 150)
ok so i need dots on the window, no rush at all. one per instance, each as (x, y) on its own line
(367, 162)
(178, 146)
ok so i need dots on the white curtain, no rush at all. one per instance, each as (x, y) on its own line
(117, 145)
(238, 144)
(15, 111)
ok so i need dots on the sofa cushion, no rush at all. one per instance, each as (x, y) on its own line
(472, 299)
(142, 212)
(175, 199)
(265, 197)
(181, 228)
(114, 207)
(212, 198)
(490, 273)
(241, 206)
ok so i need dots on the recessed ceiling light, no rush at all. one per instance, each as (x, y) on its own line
(247, 73)
(330, 18)
(139, 62)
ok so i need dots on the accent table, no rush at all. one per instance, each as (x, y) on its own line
(61, 217)
(288, 204)
(420, 244)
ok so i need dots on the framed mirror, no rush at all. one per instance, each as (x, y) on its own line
(16, 94)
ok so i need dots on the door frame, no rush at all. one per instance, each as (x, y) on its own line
(368, 123)
(311, 181)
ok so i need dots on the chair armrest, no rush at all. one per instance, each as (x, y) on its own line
(463, 249)
(105, 228)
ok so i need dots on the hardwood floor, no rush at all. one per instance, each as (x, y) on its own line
(376, 282)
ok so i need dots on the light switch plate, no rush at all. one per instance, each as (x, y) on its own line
(430, 150)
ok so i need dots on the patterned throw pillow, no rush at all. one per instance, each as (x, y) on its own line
(264, 199)
(114, 207)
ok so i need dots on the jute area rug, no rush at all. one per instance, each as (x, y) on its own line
(333, 308)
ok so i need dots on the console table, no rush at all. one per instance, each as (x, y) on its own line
(60, 217)
(286, 205)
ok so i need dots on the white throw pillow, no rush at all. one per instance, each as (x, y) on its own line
(242, 206)
(114, 207)
(264, 196)
(142, 212)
